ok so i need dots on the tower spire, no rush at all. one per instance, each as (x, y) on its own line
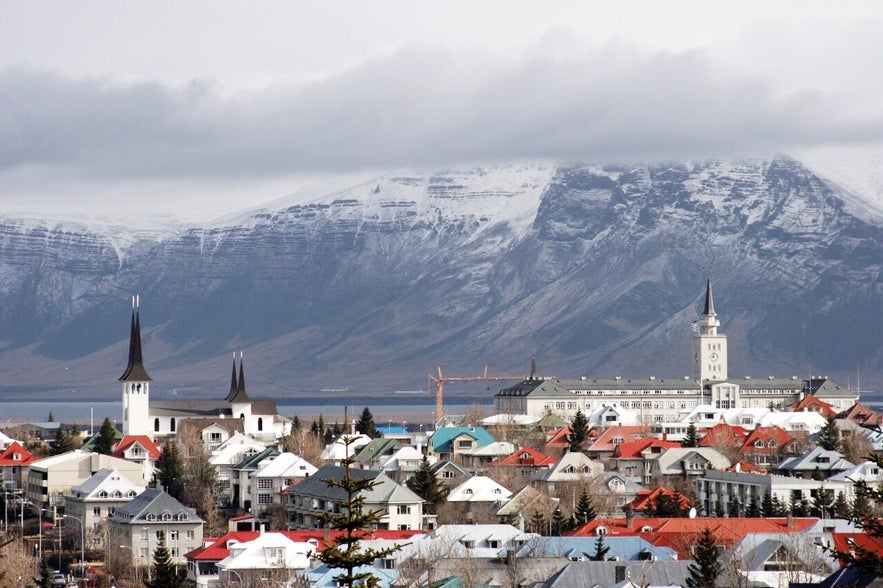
(135, 371)
(233, 381)
(237, 388)
(709, 300)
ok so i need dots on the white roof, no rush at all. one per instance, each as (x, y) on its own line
(867, 471)
(5, 440)
(511, 419)
(233, 454)
(111, 482)
(811, 422)
(495, 449)
(259, 554)
(408, 453)
(479, 489)
(337, 449)
(285, 465)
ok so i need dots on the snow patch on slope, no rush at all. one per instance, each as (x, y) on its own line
(857, 171)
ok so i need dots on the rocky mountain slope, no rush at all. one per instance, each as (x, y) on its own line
(598, 270)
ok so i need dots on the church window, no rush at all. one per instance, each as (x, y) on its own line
(172, 425)
(260, 424)
(242, 416)
(156, 425)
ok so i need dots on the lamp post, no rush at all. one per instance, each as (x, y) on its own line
(39, 528)
(82, 541)
(135, 561)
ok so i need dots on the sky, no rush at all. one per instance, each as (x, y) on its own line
(192, 110)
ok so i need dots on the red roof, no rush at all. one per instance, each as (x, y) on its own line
(680, 533)
(725, 435)
(645, 499)
(8, 456)
(771, 440)
(746, 467)
(614, 436)
(862, 415)
(153, 451)
(635, 449)
(242, 517)
(559, 437)
(219, 549)
(849, 541)
(526, 456)
(812, 404)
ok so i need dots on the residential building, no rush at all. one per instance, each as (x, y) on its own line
(450, 474)
(273, 477)
(228, 454)
(240, 476)
(138, 449)
(486, 455)
(480, 489)
(49, 479)
(572, 467)
(450, 443)
(14, 460)
(271, 557)
(152, 518)
(818, 463)
(96, 499)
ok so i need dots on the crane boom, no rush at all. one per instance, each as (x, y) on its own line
(440, 380)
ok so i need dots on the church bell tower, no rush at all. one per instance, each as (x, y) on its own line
(709, 347)
(136, 382)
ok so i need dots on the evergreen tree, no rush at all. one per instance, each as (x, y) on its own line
(51, 418)
(295, 423)
(822, 503)
(45, 579)
(170, 469)
(314, 429)
(579, 431)
(704, 572)
(780, 508)
(692, 438)
(766, 505)
(560, 524)
(355, 522)
(753, 509)
(719, 511)
(668, 505)
(585, 511)
(106, 437)
(165, 573)
(601, 550)
(62, 443)
(365, 425)
(321, 425)
(735, 508)
(829, 436)
(800, 508)
(538, 523)
(841, 507)
(425, 485)
(867, 559)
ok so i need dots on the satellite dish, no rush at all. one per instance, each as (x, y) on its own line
(692, 514)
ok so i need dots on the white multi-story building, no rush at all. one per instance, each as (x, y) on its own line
(659, 400)
(274, 475)
(96, 499)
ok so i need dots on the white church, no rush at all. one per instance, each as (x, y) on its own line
(162, 418)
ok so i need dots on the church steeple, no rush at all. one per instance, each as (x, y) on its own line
(709, 300)
(237, 388)
(135, 371)
(233, 382)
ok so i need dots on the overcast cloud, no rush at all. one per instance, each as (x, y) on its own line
(72, 127)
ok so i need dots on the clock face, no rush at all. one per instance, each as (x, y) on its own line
(713, 357)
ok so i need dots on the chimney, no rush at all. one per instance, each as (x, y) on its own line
(261, 530)
(619, 574)
(629, 516)
(790, 521)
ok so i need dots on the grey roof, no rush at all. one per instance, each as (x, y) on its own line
(156, 503)
(589, 574)
(251, 462)
(385, 489)
(820, 459)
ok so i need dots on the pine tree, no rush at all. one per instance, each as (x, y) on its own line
(579, 431)
(841, 507)
(62, 443)
(822, 503)
(766, 505)
(829, 436)
(719, 511)
(753, 509)
(106, 437)
(601, 550)
(425, 485)
(170, 469)
(865, 518)
(354, 521)
(735, 508)
(692, 438)
(165, 573)
(365, 424)
(538, 523)
(704, 572)
(585, 511)
(45, 579)
(560, 524)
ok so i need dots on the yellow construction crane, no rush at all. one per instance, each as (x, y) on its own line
(441, 379)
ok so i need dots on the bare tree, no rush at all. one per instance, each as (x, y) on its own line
(17, 563)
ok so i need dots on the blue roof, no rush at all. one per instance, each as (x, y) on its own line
(626, 548)
(442, 438)
(323, 575)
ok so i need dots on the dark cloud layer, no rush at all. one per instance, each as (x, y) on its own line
(418, 106)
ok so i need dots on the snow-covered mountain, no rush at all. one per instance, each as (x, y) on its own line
(597, 270)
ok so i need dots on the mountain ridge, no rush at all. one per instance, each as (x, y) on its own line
(595, 269)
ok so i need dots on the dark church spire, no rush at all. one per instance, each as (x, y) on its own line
(135, 371)
(237, 388)
(709, 300)
(233, 382)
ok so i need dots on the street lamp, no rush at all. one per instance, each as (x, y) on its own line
(82, 541)
(135, 561)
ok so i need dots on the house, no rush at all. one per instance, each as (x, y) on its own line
(228, 454)
(343, 447)
(527, 461)
(648, 500)
(812, 403)
(523, 503)
(271, 557)
(571, 467)
(604, 444)
(273, 476)
(612, 415)
(862, 415)
(614, 574)
(402, 464)
(449, 443)
(723, 436)
(399, 508)
(630, 548)
(48, 480)
(13, 465)
(151, 518)
(486, 455)
(479, 489)
(767, 446)
(613, 492)
(819, 463)
(449, 474)
(138, 449)
(324, 576)
(370, 455)
(96, 499)
(477, 541)
(634, 457)
(213, 432)
(240, 476)
(684, 463)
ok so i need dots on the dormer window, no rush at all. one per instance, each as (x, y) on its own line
(117, 494)
(758, 444)
(102, 494)
(617, 440)
(182, 516)
(166, 516)
(151, 517)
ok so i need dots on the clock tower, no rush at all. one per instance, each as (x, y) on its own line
(709, 347)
